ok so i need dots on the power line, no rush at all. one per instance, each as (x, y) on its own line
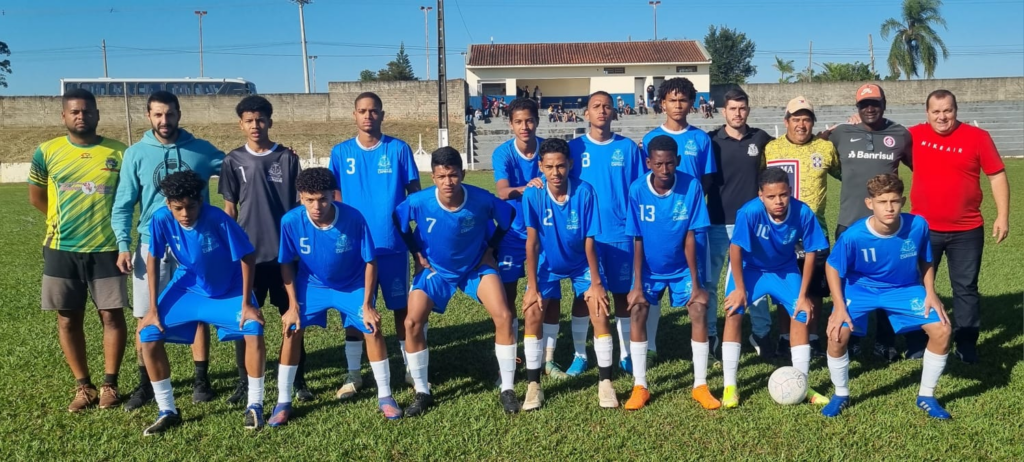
(459, 9)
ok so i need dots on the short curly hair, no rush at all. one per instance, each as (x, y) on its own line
(182, 185)
(663, 143)
(524, 104)
(255, 103)
(554, 146)
(314, 180)
(681, 84)
(883, 184)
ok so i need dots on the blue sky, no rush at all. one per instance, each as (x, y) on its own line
(259, 39)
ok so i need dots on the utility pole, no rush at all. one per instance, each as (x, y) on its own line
(103, 44)
(313, 59)
(654, 4)
(200, 14)
(810, 54)
(871, 53)
(426, 34)
(302, 31)
(442, 84)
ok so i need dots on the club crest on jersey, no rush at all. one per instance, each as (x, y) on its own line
(275, 174)
(690, 149)
(397, 288)
(384, 165)
(909, 250)
(790, 237)
(679, 212)
(752, 150)
(618, 159)
(574, 221)
(110, 165)
(817, 160)
(343, 244)
(208, 243)
(466, 224)
(889, 141)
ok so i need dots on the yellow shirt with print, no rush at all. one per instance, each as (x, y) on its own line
(80, 183)
(807, 166)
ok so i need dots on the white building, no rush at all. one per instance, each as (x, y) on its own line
(567, 72)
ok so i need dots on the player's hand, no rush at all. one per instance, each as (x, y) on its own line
(932, 302)
(250, 313)
(371, 318)
(853, 119)
(488, 260)
(804, 305)
(124, 262)
(152, 318)
(597, 299)
(535, 183)
(1000, 229)
(835, 322)
(636, 298)
(734, 301)
(699, 295)
(421, 264)
(289, 319)
(532, 301)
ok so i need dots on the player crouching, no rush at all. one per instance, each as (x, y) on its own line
(209, 287)
(886, 261)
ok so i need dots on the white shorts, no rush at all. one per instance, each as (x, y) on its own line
(140, 280)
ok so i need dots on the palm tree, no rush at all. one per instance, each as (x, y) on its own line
(785, 69)
(915, 44)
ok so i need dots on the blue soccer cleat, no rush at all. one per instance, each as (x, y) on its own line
(627, 365)
(389, 408)
(282, 411)
(835, 406)
(254, 417)
(931, 405)
(579, 366)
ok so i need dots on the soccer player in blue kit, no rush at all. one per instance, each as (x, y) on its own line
(610, 163)
(884, 262)
(375, 173)
(562, 220)
(666, 210)
(213, 284)
(762, 261)
(454, 245)
(336, 270)
(696, 159)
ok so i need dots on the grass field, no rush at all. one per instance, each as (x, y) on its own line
(986, 400)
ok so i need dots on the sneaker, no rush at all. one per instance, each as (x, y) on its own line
(835, 406)
(638, 399)
(782, 348)
(164, 421)
(814, 397)
(627, 365)
(931, 405)
(703, 396)
(887, 353)
(353, 382)
(86, 396)
(578, 366)
(280, 415)
(762, 345)
(534, 397)
(140, 396)
(816, 350)
(109, 396)
(302, 393)
(551, 369)
(201, 392)
(606, 394)
(254, 417)
(966, 353)
(240, 394)
(419, 405)
(730, 397)
(509, 402)
(389, 407)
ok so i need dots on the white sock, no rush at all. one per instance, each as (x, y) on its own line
(532, 351)
(839, 368)
(653, 316)
(639, 352)
(580, 327)
(801, 355)
(382, 375)
(603, 347)
(700, 362)
(931, 370)
(506, 355)
(418, 363)
(255, 390)
(285, 379)
(550, 333)
(164, 395)
(354, 354)
(623, 326)
(730, 362)
(405, 360)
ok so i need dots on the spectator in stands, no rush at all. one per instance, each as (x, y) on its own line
(536, 94)
(469, 114)
(650, 96)
(949, 157)
(619, 105)
(479, 115)
(640, 106)
(579, 103)
(629, 110)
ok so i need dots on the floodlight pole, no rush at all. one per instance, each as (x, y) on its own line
(302, 31)
(442, 86)
(426, 34)
(654, 4)
(200, 14)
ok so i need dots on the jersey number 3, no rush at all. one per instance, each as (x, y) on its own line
(351, 166)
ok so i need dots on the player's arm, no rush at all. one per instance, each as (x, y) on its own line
(249, 311)
(291, 317)
(698, 294)
(38, 178)
(412, 186)
(738, 297)
(835, 169)
(802, 302)
(37, 197)
(371, 318)
(408, 237)
(231, 209)
(532, 299)
(596, 296)
(506, 192)
(228, 187)
(636, 294)
(908, 152)
(839, 314)
(125, 198)
(931, 299)
(1001, 195)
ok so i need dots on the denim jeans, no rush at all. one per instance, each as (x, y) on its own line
(719, 237)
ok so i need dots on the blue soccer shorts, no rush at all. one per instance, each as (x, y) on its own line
(550, 285)
(783, 287)
(181, 312)
(315, 303)
(904, 306)
(393, 279)
(679, 288)
(615, 260)
(511, 259)
(441, 290)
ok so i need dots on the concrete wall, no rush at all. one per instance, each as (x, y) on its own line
(615, 83)
(897, 92)
(402, 100)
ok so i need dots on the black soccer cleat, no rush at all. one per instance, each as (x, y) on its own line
(202, 392)
(419, 404)
(141, 396)
(164, 421)
(240, 393)
(302, 393)
(509, 402)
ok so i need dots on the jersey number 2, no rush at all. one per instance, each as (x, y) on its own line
(547, 218)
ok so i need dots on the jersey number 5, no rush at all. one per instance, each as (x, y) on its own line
(304, 246)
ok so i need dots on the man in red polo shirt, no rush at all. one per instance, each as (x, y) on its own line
(949, 157)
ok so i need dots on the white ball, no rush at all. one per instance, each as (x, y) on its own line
(787, 385)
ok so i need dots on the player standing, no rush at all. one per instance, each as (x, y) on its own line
(375, 173)
(453, 251)
(257, 181)
(212, 285)
(763, 261)
(885, 262)
(336, 270)
(666, 210)
(562, 220)
(609, 163)
(72, 181)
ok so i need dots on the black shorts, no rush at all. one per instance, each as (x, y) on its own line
(268, 281)
(819, 284)
(69, 278)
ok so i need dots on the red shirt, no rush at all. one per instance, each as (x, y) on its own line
(947, 170)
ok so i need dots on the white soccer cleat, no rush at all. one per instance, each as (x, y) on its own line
(534, 397)
(353, 382)
(606, 394)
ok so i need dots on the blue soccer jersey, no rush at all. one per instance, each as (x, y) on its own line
(610, 167)
(663, 221)
(373, 180)
(512, 165)
(334, 257)
(208, 253)
(695, 152)
(769, 246)
(563, 227)
(453, 241)
(864, 257)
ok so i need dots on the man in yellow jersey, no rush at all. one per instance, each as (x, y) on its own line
(808, 161)
(72, 180)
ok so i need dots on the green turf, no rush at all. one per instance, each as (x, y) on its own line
(467, 422)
